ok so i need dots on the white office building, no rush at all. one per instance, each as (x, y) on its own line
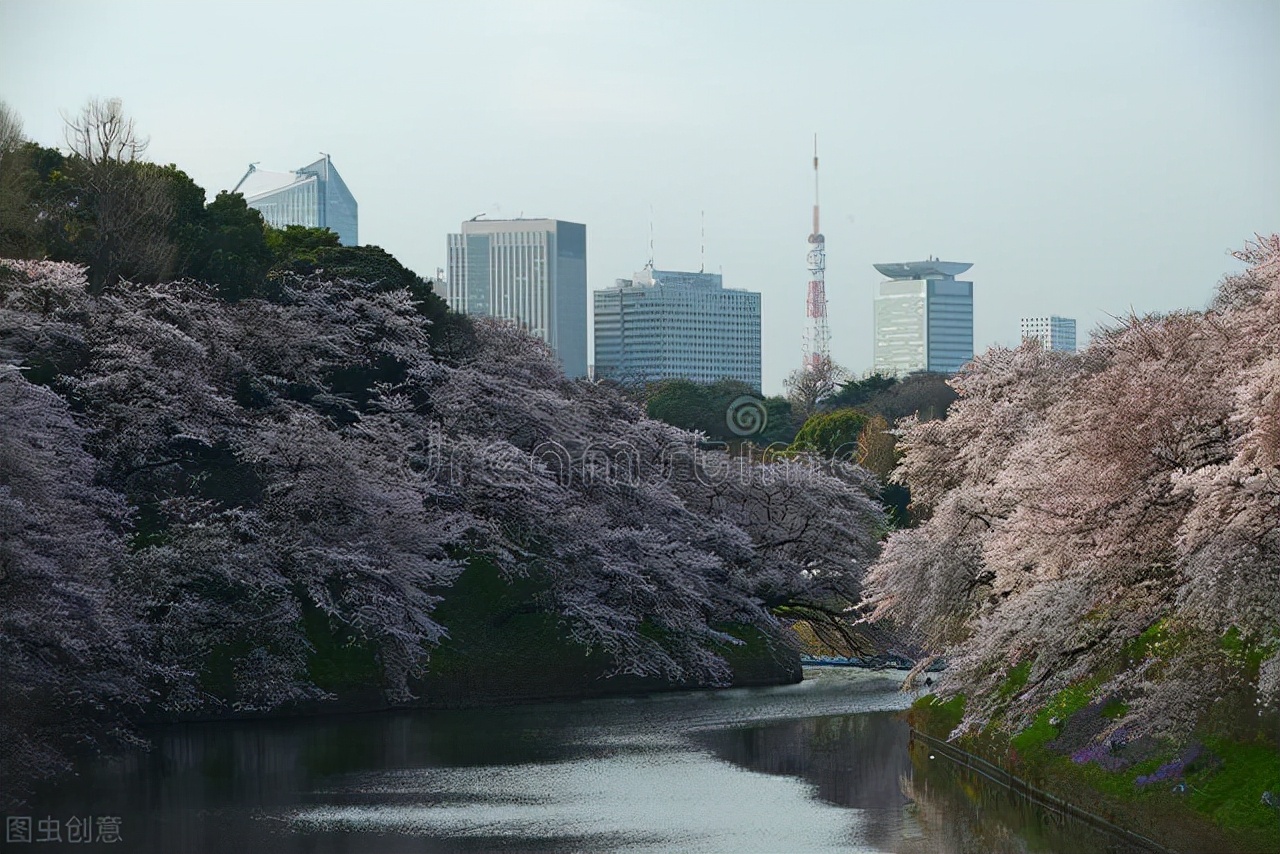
(314, 196)
(529, 271)
(923, 318)
(1053, 332)
(667, 324)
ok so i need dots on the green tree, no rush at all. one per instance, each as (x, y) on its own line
(231, 248)
(781, 427)
(706, 407)
(121, 211)
(858, 392)
(31, 196)
(925, 395)
(832, 433)
(680, 403)
(295, 244)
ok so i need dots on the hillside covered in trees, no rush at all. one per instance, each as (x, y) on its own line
(203, 493)
(1100, 561)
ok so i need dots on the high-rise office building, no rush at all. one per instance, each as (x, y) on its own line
(530, 271)
(666, 324)
(923, 317)
(314, 196)
(1053, 332)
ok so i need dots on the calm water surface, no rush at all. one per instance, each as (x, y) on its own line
(820, 766)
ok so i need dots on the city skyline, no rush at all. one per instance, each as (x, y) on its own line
(1087, 156)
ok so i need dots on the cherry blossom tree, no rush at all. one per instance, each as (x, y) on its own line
(276, 473)
(70, 674)
(1077, 504)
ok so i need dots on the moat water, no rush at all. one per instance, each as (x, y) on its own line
(824, 765)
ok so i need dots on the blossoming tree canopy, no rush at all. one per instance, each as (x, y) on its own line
(267, 488)
(1082, 505)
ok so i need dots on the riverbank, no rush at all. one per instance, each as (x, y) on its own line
(1207, 795)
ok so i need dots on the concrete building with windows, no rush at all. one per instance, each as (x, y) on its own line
(1053, 332)
(530, 271)
(923, 317)
(314, 196)
(667, 324)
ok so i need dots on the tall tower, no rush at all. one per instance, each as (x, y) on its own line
(817, 335)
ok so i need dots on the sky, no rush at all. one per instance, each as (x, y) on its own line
(1091, 159)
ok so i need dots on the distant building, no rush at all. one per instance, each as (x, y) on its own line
(1053, 332)
(314, 196)
(923, 317)
(666, 324)
(530, 271)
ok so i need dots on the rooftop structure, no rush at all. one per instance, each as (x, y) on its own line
(923, 317)
(927, 269)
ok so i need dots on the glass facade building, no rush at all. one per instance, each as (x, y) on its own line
(923, 318)
(1053, 332)
(529, 271)
(314, 196)
(666, 324)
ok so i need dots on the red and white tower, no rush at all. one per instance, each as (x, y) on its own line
(817, 335)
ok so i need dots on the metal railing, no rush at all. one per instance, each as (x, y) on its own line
(1015, 784)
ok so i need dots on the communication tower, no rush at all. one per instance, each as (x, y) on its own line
(817, 334)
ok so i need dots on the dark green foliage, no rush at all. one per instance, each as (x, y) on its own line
(502, 647)
(31, 178)
(133, 220)
(705, 406)
(230, 248)
(832, 434)
(781, 428)
(505, 646)
(924, 395)
(341, 662)
(858, 392)
(298, 243)
(681, 403)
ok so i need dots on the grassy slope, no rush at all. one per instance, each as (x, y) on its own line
(1213, 804)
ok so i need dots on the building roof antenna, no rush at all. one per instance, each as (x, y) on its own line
(650, 265)
(703, 267)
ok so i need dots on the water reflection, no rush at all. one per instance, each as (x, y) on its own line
(910, 801)
(821, 766)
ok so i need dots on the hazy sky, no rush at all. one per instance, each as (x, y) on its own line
(1088, 158)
